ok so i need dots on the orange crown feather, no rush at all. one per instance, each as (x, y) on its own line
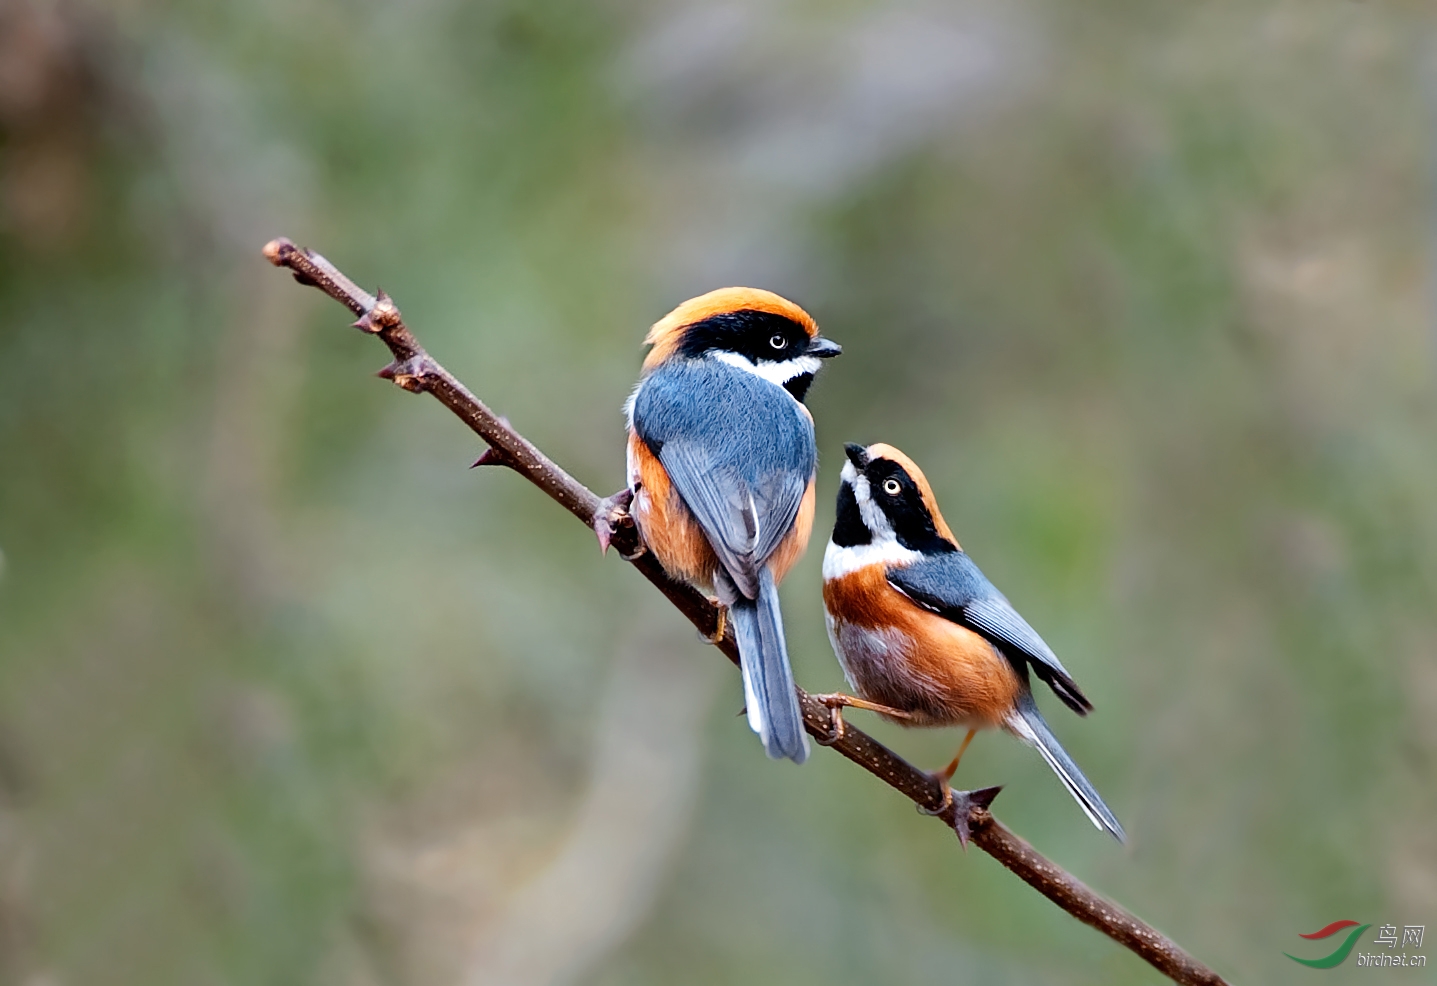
(664, 336)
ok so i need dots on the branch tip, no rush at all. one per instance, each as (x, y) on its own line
(275, 250)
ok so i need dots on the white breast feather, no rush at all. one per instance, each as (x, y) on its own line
(838, 562)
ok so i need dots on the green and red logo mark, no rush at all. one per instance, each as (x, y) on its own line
(1340, 954)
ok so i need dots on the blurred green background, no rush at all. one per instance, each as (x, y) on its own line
(289, 695)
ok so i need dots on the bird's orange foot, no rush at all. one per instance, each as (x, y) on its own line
(946, 804)
(837, 702)
(721, 627)
(614, 525)
(836, 727)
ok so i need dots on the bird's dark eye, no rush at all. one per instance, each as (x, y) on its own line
(778, 340)
(891, 487)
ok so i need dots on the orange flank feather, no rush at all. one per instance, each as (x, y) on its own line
(664, 336)
(882, 451)
(675, 537)
(790, 549)
(903, 656)
(670, 530)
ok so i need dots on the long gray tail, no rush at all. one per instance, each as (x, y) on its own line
(773, 710)
(1028, 725)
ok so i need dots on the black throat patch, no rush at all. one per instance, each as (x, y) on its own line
(849, 529)
(798, 386)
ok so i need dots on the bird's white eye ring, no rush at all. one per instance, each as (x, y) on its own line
(778, 340)
(892, 487)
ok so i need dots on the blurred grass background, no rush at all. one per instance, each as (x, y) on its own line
(289, 695)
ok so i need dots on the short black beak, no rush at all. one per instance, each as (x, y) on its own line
(857, 454)
(823, 348)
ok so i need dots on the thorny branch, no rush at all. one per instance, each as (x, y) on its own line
(414, 370)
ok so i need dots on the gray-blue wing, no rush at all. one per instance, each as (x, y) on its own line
(952, 586)
(738, 449)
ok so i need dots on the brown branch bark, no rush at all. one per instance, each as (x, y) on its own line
(414, 370)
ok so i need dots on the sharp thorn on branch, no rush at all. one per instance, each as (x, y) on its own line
(965, 803)
(409, 374)
(492, 457)
(611, 517)
(384, 314)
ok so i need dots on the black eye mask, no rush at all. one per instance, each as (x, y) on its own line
(747, 332)
(912, 523)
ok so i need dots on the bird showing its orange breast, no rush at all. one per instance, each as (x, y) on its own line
(898, 654)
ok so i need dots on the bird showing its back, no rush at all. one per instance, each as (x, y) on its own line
(722, 461)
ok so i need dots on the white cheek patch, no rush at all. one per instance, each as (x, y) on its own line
(873, 518)
(776, 373)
